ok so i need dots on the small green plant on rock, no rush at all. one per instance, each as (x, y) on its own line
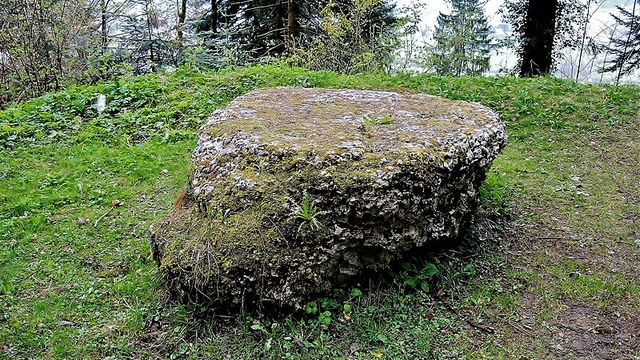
(308, 212)
(386, 120)
(369, 122)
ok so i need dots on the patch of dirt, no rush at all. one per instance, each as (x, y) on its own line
(577, 261)
(581, 330)
(567, 321)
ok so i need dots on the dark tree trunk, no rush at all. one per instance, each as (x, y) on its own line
(293, 26)
(537, 51)
(214, 17)
(103, 26)
(150, 23)
(281, 23)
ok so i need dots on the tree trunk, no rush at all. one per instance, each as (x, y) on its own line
(293, 26)
(103, 26)
(214, 17)
(587, 16)
(150, 33)
(536, 57)
(182, 15)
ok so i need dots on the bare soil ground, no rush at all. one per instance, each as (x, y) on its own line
(574, 254)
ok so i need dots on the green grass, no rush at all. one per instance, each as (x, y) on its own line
(554, 250)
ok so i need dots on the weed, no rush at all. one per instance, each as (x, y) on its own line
(386, 120)
(418, 278)
(368, 121)
(5, 286)
(308, 212)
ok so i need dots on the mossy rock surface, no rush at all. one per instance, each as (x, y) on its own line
(292, 187)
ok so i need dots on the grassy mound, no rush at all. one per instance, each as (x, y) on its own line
(559, 278)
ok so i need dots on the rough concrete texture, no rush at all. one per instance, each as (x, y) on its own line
(291, 187)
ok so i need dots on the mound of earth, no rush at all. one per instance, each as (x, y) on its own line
(291, 188)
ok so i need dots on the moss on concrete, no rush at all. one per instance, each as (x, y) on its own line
(388, 172)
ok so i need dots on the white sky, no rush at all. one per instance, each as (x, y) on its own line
(433, 7)
(599, 21)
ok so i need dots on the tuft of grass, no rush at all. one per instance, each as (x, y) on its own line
(308, 212)
(552, 251)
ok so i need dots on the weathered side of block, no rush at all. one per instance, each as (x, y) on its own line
(291, 187)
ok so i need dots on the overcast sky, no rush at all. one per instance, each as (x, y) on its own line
(433, 7)
(599, 21)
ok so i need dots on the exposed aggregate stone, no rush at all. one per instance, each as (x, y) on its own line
(387, 172)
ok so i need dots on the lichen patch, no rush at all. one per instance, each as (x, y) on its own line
(291, 187)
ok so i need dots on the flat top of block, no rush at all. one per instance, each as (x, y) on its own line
(293, 117)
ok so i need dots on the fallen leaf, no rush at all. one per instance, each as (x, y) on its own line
(377, 353)
(65, 323)
(604, 329)
(116, 203)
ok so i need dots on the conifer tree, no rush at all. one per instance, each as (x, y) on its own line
(540, 29)
(462, 40)
(342, 35)
(625, 48)
(536, 55)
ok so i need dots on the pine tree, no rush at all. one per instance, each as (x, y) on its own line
(341, 35)
(252, 30)
(536, 55)
(147, 38)
(462, 40)
(626, 48)
(540, 29)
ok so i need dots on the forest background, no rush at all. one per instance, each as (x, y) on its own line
(46, 45)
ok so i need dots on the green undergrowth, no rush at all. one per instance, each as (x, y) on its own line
(79, 190)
